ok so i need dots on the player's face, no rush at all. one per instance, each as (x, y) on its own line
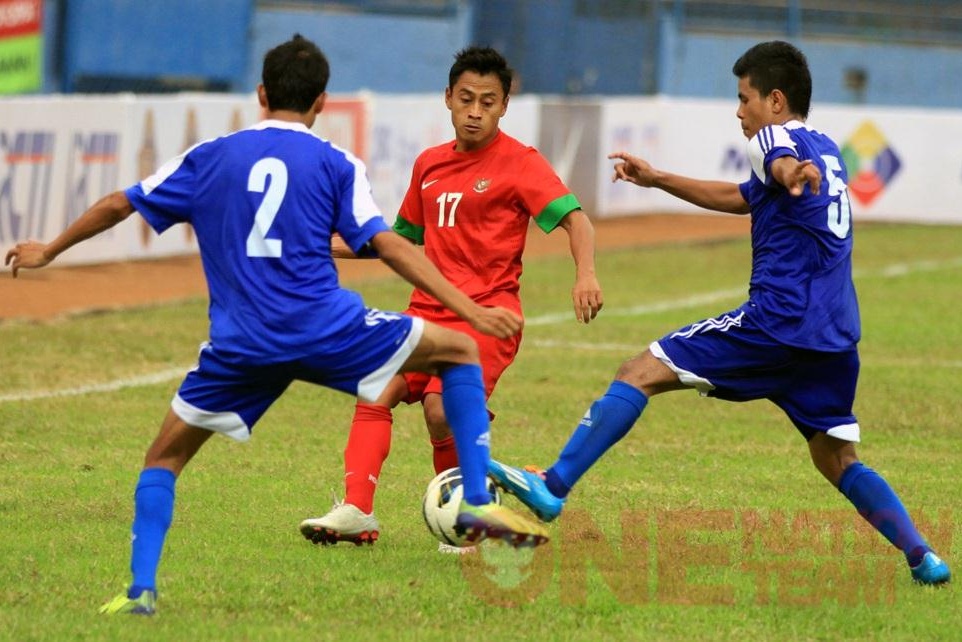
(754, 110)
(477, 104)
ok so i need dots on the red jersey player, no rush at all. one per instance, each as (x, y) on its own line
(469, 203)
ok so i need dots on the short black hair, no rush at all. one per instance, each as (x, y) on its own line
(295, 73)
(778, 65)
(483, 61)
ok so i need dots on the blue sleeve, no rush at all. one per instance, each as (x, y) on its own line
(370, 229)
(165, 197)
(769, 143)
(359, 217)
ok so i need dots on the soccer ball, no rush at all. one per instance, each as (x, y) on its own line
(441, 503)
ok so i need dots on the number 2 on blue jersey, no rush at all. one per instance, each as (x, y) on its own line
(258, 245)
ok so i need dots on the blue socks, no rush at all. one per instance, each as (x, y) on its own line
(465, 407)
(153, 512)
(881, 507)
(607, 421)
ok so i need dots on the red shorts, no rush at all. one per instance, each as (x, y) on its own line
(496, 355)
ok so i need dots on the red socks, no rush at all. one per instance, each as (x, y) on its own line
(445, 454)
(367, 447)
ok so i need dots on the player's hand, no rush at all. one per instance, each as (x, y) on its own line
(587, 298)
(795, 175)
(632, 169)
(29, 254)
(806, 172)
(496, 322)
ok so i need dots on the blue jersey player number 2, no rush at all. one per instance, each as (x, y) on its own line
(264, 203)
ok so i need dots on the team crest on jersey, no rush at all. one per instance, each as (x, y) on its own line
(482, 185)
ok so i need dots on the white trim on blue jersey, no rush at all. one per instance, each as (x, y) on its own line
(227, 423)
(702, 385)
(721, 324)
(370, 387)
(848, 432)
(151, 183)
(767, 139)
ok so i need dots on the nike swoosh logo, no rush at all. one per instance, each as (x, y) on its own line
(427, 184)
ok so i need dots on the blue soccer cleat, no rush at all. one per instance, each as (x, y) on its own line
(143, 604)
(931, 570)
(527, 486)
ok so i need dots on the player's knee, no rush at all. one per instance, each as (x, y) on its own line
(831, 462)
(455, 345)
(630, 370)
(647, 373)
(440, 348)
(464, 349)
(436, 421)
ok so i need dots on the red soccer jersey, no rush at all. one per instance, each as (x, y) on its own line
(471, 210)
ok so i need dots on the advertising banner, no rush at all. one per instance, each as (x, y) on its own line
(52, 169)
(902, 163)
(21, 46)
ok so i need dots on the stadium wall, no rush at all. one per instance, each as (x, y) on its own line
(52, 168)
(377, 52)
(893, 74)
(107, 46)
(568, 47)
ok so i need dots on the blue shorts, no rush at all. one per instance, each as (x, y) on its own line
(228, 394)
(731, 358)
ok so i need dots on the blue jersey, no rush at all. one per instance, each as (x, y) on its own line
(264, 202)
(801, 291)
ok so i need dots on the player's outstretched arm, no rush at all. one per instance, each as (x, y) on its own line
(795, 175)
(102, 215)
(410, 263)
(340, 249)
(721, 196)
(586, 294)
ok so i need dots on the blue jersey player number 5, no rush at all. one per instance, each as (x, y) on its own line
(840, 210)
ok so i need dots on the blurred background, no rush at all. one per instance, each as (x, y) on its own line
(95, 94)
(891, 52)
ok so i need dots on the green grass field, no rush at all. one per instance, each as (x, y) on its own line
(706, 522)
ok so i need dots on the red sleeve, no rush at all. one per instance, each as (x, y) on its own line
(538, 184)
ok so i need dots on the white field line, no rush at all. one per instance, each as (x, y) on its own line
(735, 294)
(109, 386)
(646, 308)
(739, 294)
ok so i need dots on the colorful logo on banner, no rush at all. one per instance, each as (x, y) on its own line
(26, 169)
(21, 46)
(872, 163)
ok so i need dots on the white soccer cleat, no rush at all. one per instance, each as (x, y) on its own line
(455, 550)
(343, 523)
